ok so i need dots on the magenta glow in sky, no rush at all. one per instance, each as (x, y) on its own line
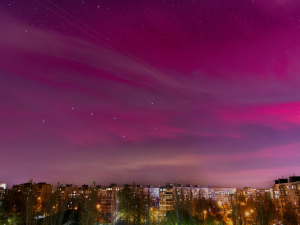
(201, 92)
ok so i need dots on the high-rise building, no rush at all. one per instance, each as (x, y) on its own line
(168, 193)
(287, 190)
(165, 199)
(153, 193)
(256, 194)
(222, 195)
(37, 193)
(109, 201)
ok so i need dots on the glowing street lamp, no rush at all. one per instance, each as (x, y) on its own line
(247, 213)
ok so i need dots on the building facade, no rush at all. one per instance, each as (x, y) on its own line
(287, 190)
(37, 194)
(256, 194)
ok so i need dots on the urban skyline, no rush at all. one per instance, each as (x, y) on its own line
(109, 204)
(200, 92)
(179, 184)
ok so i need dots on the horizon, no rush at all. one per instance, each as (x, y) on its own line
(143, 185)
(196, 92)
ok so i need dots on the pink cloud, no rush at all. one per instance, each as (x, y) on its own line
(281, 116)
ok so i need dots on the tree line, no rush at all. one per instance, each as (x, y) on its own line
(262, 210)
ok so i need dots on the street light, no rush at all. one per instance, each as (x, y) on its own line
(204, 213)
(247, 213)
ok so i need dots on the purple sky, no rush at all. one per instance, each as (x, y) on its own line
(202, 92)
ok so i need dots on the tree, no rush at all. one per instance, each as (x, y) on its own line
(200, 205)
(133, 205)
(88, 212)
(126, 204)
(236, 210)
(55, 207)
(290, 215)
(178, 206)
(29, 204)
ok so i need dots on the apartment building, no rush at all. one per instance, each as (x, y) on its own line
(74, 194)
(285, 190)
(165, 199)
(218, 194)
(256, 194)
(222, 195)
(110, 201)
(2, 192)
(36, 193)
(203, 192)
(107, 201)
(154, 195)
(167, 195)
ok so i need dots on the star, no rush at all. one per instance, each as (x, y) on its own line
(151, 103)
(92, 114)
(123, 136)
(43, 121)
(72, 108)
(114, 118)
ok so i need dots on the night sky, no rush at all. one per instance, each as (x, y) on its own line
(204, 92)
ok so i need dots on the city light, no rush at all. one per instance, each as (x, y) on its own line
(160, 197)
